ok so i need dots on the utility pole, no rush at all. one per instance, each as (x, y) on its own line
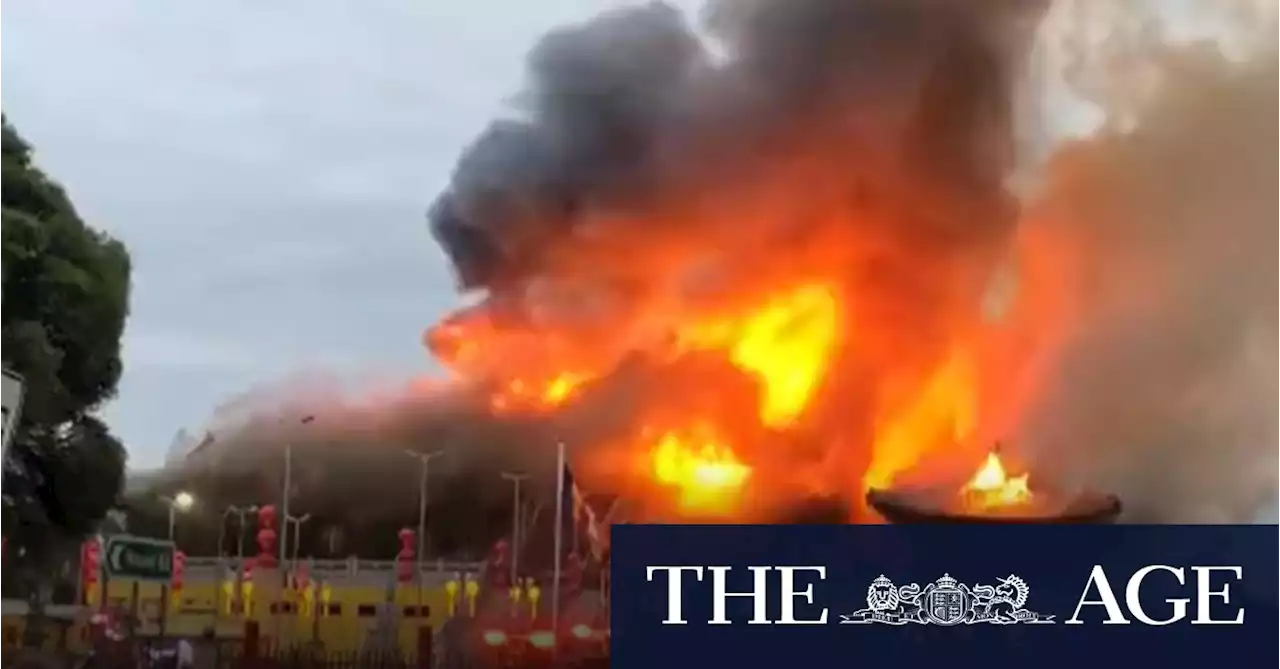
(285, 494)
(297, 535)
(182, 501)
(515, 478)
(425, 460)
(239, 512)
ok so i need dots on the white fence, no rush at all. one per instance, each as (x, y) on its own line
(352, 568)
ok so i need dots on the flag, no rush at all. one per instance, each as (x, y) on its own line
(588, 522)
(585, 520)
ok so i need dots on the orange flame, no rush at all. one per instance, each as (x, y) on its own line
(701, 453)
(991, 488)
(786, 343)
(702, 468)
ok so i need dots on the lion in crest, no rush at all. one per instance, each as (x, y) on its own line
(882, 595)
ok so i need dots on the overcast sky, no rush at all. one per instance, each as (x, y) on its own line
(269, 165)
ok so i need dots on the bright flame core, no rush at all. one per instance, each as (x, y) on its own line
(702, 468)
(991, 488)
(786, 343)
(784, 340)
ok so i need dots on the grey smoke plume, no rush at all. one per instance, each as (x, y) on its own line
(1164, 225)
(626, 112)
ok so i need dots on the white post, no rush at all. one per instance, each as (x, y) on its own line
(515, 532)
(559, 536)
(425, 460)
(284, 506)
(284, 501)
(515, 523)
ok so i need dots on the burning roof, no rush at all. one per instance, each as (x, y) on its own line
(730, 283)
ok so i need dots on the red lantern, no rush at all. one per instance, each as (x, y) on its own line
(247, 574)
(90, 561)
(404, 559)
(179, 569)
(267, 537)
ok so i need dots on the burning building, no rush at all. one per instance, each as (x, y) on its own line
(735, 277)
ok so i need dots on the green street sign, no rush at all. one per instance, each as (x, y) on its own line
(138, 558)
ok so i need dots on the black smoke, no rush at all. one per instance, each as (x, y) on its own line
(625, 110)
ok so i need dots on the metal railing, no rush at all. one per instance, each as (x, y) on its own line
(345, 568)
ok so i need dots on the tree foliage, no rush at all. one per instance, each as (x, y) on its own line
(66, 299)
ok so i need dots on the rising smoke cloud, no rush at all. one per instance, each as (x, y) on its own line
(1163, 219)
(628, 113)
(870, 138)
(1143, 336)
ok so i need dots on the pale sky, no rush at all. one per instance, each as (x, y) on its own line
(269, 165)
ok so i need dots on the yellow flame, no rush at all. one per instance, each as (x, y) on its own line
(786, 343)
(942, 413)
(992, 488)
(705, 471)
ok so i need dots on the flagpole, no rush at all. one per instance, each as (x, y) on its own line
(559, 537)
(573, 534)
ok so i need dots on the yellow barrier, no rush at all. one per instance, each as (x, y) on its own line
(340, 616)
(63, 634)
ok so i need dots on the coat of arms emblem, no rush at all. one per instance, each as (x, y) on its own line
(946, 602)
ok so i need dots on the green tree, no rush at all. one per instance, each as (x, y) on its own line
(66, 298)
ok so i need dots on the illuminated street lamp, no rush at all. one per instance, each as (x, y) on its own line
(181, 502)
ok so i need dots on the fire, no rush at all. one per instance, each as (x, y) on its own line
(786, 343)
(942, 412)
(992, 488)
(520, 393)
(761, 295)
(703, 469)
(784, 340)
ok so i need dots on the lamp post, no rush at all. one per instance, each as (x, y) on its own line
(297, 534)
(287, 490)
(182, 501)
(240, 512)
(515, 478)
(425, 460)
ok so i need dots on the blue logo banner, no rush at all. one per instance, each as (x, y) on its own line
(1079, 596)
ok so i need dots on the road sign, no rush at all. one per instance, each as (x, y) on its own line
(12, 397)
(138, 558)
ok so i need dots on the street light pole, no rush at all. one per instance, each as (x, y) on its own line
(285, 493)
(425, 459)
(297, 534)
(240, 513)
(515, 478)
(240, 532)
(179, 502)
